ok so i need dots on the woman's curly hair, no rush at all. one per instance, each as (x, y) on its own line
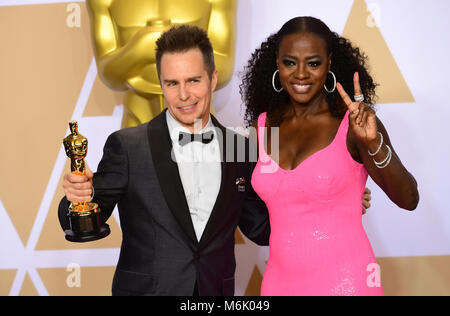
(256, 88)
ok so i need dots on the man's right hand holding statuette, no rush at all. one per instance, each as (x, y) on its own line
(84, 216)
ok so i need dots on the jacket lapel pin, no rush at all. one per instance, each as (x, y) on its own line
(240, 182)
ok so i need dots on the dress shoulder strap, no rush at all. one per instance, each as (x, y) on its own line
(261, 136)
(343, 128)
(262, 119)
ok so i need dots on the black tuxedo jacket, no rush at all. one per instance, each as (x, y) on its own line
(160, 254)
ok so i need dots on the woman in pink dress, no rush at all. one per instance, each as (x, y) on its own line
(313, 180)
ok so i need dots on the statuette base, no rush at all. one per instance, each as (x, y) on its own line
(87, 225)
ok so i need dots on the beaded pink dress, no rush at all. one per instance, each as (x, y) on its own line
(318, 245)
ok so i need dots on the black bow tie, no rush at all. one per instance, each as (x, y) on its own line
(186, 138)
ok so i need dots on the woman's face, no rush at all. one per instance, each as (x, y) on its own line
(303, 62)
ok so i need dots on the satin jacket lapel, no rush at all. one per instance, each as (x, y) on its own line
(219, 212)
(168, 174)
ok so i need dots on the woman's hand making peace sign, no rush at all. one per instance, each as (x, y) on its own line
(375, 148)
(362, 118)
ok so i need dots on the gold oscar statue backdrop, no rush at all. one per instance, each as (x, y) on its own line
(124, 33)
(49, 76)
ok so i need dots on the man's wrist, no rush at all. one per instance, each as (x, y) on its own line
(92, 194)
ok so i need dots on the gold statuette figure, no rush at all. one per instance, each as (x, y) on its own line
(76, 149)
(84, 218)
(124, 34)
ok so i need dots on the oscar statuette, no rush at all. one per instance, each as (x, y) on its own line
(84, 217)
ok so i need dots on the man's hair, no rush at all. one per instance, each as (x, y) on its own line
(182, 38)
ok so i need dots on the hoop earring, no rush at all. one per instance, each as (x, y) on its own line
(273, 82)
(334, 85)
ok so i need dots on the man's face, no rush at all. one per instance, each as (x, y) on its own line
(187, 87)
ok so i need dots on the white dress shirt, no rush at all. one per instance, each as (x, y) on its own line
(200, 170)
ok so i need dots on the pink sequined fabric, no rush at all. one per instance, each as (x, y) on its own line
(318, 245)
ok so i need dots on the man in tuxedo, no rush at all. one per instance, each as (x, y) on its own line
(180, 189)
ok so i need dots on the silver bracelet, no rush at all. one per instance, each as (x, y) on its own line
(383, 164)
(379, 147)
